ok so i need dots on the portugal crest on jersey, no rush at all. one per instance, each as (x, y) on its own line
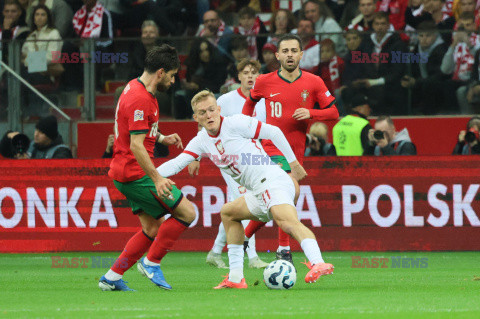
(219, 146)
(304, 95)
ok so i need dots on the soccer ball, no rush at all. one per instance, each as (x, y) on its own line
(280, 274)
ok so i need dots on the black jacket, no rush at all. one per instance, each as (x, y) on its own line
(37, 152)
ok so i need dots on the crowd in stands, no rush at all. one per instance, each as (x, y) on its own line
(397, 53)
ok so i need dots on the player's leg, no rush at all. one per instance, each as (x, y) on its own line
(136, 247)
(232, 214)
(285, 216)
(254, 260)
(182, 215)
(214, 257)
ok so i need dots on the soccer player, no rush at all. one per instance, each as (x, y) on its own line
(231, 143)
(290, 96)
(150, 195)
(231, 104)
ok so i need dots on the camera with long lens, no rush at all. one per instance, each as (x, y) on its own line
(472, 135)
(20, 144)
(378, 135)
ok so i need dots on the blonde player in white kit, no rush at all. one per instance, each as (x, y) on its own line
(231, 143)
(231, 104)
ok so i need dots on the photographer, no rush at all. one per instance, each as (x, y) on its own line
(468, 140)
(47, 142)
(389, 141)
(14, 145)
(317, 141)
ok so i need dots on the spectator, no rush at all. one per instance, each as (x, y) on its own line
(460, 6)
(468, 96)
(11, 27)
(282, 22)
(331, 66)
(251, 26)
(149, 39)
(383, 82)
(364, 21)
(44, 38)
(468, 140)
(311, 48)
(391, 142)
(47, 142)
(270, 62)
(216, 31)
(206, 69)
(14, 145)
(351, 133)
(317, 141)
(396, 11)
(324, 22)
(239, 51)
(459, 59)
(427, 78)
(415, 14)
(443, 21)
(62, 15)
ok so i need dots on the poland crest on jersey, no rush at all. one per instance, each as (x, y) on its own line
(304, 95)
(219, 146)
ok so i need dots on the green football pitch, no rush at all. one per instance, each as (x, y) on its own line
(448, 287)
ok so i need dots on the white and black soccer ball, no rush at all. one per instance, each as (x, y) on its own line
(280, 274)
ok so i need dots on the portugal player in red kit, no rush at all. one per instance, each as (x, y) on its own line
(148, 194)
(290, 96)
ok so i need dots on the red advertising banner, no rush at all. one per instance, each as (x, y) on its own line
(353, 204)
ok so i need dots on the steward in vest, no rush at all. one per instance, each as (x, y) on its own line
(47, 143)
(350, 134)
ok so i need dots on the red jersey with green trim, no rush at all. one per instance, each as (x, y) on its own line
(282, 98)
(137, 113)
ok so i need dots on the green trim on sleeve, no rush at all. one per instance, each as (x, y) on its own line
(137, 132)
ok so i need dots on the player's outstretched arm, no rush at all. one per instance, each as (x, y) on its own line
(175, 165)
(172, 139)
(163, 185)
(249, 106)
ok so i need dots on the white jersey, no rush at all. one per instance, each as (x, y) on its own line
(232, 104)
(237, 152)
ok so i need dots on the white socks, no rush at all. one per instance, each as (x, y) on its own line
(312, 251)
(113, 276)
(150, 263)
(280, 248)
(221, 240)
(235, 259)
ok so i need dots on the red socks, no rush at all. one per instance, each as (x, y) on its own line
(252, 227)
(283, 238)
(168, 233)
(133, 251)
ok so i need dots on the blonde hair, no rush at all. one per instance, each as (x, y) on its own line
(319, 129)
(200, 96)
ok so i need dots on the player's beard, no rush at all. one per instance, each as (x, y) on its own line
(290, 68)
(162, 87)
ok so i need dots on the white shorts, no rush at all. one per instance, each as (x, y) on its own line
(280, 190)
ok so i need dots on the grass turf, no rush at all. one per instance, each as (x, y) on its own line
(448, 287)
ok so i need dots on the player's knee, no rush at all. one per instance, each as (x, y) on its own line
(226, 212)
(150, 230)
(287, 226)
(189, 213)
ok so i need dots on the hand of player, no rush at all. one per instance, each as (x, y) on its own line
(193, 168)
(164, 187)
(173, 139)
(301, 114)
(110, 141)
(298, 172)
